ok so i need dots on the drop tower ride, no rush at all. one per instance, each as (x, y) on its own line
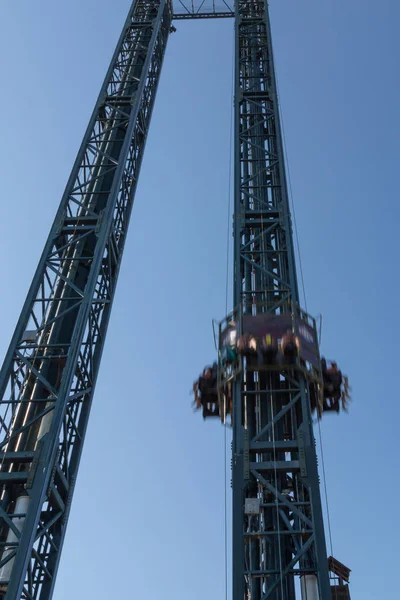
(49, 373)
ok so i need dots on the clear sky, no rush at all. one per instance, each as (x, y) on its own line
(148, 512)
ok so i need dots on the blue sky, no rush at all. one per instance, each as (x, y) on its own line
(147, 517)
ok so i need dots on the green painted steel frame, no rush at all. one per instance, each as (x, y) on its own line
(48, 377)
(274, 458)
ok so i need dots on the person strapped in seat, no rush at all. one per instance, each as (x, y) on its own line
(205, 392)
(228, 349)
(290, 347)
(247, 345)
(336, 387)
(268, 350)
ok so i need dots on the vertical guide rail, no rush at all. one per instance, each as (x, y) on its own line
(49, 373)
(280, 535)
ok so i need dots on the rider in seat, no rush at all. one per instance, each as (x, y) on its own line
(333, 393)
(207, 386)
(289, 347)
(268, 350)
(335, 377)
(247, 345)
(228, 350)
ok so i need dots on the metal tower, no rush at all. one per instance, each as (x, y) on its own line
(49, 373)
(48, 377)
(278, 530)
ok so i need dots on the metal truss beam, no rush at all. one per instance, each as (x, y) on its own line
(203, 9)
(274, 458)
(49, 374)
(205, 15)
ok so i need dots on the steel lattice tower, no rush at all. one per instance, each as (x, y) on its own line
(273, 442)
(49, 373)
(50, 370)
